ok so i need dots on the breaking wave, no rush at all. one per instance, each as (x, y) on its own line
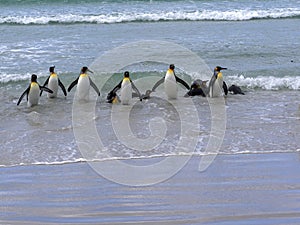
(127, 17)
(266, 82)
(260, 82)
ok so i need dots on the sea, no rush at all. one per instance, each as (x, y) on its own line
(257, 41)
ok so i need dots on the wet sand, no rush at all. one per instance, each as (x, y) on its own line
(235, 189)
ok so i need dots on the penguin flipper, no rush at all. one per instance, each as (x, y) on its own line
(182, 82)
(42, 88)
(225, 88)
(62, 87)
(136, 90)
(46, 82)
(73, 84)
(158, 83)
(22, 96)
(116, 88)
(94, 86)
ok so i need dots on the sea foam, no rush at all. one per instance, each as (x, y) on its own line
(154, 16)
(266, 82)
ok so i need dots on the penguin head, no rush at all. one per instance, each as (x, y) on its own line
(85, 69)
(172, 67)
(196, 84)
(126, 74)
(51, 69)
(33, 78)
(219, 68)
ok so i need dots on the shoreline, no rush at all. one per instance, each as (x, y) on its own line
(82, 160)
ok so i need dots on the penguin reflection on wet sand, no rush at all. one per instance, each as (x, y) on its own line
(170, 83)
(217, 87)
(125, 86)
(33, 92)
(83, 83)
(198, 88)
(53, 82)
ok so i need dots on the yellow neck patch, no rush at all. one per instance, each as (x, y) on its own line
(170, 71)
(53, 75)
(33, 84)
(126, 79)
(220, 75)
(83, 75)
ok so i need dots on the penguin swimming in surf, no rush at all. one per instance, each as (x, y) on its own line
(125, 86)
(53, 82)
(217, 87)
(33, 92)
(83, 83)
(235, 90)
(170, 81)
(198, 87)
(112, 97)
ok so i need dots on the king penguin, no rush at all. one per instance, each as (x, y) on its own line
(235, 90)
(170, 83)
(198, 87)
(32, 92)
(53, 82)
(217, 87)
(83, 83)
(126, 85)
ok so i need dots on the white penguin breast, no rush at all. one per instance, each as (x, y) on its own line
(170, 86)
(218, 88)
(53, 85)
(83, 87)
(126, 92)
(33, 96)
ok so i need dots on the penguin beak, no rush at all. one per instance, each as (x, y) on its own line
(223, 68)
(90, 71)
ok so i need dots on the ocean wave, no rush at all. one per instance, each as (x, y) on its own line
(266, 82)
(260, 82)
(126, 17)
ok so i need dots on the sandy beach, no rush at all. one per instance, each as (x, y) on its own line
(235, 189)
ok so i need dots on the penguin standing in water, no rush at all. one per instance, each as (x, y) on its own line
(53, 82)
(126, 85)
(170, 83)
(83, 83)
(217, 87)
(33, 92)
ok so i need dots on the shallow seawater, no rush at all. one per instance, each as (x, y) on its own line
(258, 122)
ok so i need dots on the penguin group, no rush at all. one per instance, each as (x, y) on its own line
(52, 83)
(216, 87)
